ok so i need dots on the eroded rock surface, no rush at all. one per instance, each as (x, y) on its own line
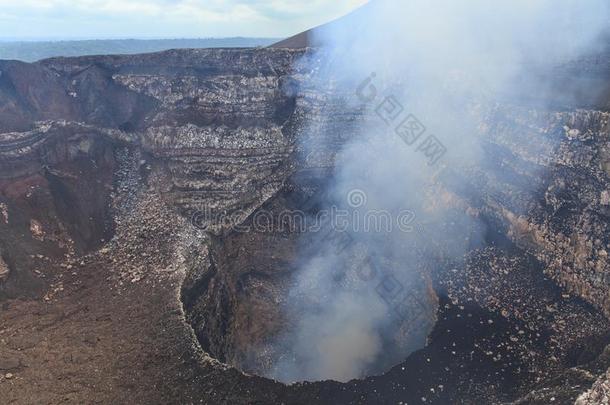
(4, 270)
(599, 393)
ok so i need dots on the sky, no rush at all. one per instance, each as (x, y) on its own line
(102, 19)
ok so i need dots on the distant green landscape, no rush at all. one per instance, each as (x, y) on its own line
(30, 51)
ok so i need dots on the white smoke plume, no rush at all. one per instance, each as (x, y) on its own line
(437, 58)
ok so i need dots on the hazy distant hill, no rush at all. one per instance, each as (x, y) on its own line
(29, 51)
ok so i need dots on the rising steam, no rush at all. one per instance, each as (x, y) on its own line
(438, 59)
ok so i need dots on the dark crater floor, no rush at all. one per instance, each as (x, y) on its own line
(492, 323)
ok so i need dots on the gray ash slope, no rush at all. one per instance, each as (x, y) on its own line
(103, 161)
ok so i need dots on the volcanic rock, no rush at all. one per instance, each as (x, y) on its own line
(4, 270)
(134, 171)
